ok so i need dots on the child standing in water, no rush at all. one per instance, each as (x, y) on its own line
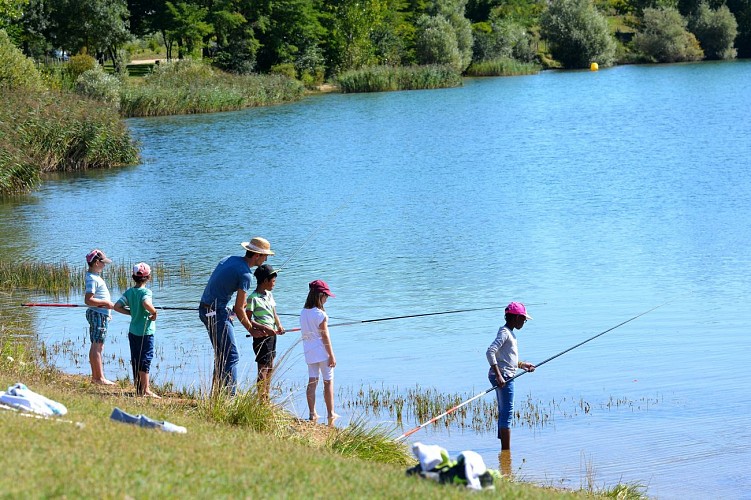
(136, 302)
(98, 315)
(503, 357)
(266, 325)
(319, 354)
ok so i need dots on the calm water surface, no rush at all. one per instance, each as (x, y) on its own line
(595, 196)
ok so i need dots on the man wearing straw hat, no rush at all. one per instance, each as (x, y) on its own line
(232, 275)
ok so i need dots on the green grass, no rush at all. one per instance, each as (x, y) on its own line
(390, 78)
(502, 67)
(187, 87)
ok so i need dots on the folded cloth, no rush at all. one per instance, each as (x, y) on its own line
(474, 467)
(144, 421)
(21, 397)
(431, 456)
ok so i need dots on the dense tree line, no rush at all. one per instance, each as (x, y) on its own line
(314, 38)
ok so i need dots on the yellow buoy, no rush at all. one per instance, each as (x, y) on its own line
(594, 66)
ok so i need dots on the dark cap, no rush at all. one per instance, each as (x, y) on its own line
(264, 272)
(320, 286)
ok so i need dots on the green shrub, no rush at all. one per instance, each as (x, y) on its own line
(79, 64)
(577, 33)
(16, 70)
(286, 69)
(96, 84)
(388, 78)
(504, 66)
(716, 31)
(663, 37)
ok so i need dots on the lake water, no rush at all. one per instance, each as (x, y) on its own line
(591, 196)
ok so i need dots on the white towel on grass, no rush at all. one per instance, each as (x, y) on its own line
(21, 397)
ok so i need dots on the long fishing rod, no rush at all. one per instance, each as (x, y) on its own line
(164, 308)
(451, 410)
(358, 322)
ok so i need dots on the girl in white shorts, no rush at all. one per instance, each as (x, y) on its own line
(319, 354)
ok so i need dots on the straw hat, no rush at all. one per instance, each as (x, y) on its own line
(258, 245)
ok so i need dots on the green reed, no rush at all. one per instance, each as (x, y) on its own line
(57, 132)
(63, 279)
(390, 78)
(187, 87)
(505, 66)
(419, 404)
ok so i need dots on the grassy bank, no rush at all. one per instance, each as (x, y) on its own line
(86, 455)
(389, 78)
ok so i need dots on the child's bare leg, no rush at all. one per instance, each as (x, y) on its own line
(143, 378)
(97, 366)
(328, 398)
(311, 395)
(264, 380)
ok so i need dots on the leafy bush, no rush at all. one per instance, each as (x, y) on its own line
(663, 37)
(716, 31)
(16, 70)
(97, 84)
(577, 34)
(79, 64)
(442, 40)
(502, 39)
(286, 69)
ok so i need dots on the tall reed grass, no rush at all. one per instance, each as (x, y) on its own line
(368, 443)
(61, 278)
(389, 78)
(504, 66)
(57, 132)
(186, 87)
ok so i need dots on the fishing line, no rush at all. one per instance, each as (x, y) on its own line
(451, 410)
(358, 322)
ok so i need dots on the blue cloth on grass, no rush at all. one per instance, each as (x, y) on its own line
(144, 421)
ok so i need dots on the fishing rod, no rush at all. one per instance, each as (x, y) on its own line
(164, 308)
(451, 410)
(358, 322)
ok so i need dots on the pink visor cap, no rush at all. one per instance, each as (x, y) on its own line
(95, 255)
(321, 286)
(518, 309)
(141, 270)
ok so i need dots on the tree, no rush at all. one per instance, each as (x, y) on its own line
(350, 25)
(11, 10)
(187, 27)
(663, 37)
(95, 26)
(716, 31)
(436, 42)
(741, 9)
(444, 35)
(503, 38)
(577, 34)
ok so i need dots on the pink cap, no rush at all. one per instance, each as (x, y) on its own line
(142, 270)
(320, 286)
(517, 308)
(96, 254)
